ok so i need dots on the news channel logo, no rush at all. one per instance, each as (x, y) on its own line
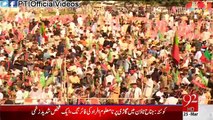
(8, 3)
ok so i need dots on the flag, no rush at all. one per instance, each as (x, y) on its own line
(201, 5)
(68, 43)
(160, 36)
(206, 57)
(167, 67)
(20, 36)
(42, 79)
(43, 32)
(118, 78)
(54, 26)
(49, 80)
(110, 56)
(189, 5)
(97, 46)
(82, 57)
(104, 67)
(198, 84)
(203, 58)
(175, 49)
(7, 49)
(140, 62)
(176, 77)
(42, 29)
(204, 80)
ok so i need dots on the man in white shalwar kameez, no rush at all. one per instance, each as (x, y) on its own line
(148, 87)
(135, 94)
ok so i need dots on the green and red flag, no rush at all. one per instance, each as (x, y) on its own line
(198, 84)
(20, 36)
(42, 29)
(50, 80)
(118, 78)
(204, 80)
(176, 77)
(160, 36)
(175, 49)
(42, 79)
(206, 57)
(97, 46)
(43, 32)
(110, 55)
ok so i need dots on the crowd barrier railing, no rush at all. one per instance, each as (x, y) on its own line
(102, 101)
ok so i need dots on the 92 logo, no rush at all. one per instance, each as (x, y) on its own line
(190, 104)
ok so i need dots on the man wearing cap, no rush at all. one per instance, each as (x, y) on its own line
(135, 93)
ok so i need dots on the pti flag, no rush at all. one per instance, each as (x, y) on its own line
(206, 57)
(175, 49)
(43, 31)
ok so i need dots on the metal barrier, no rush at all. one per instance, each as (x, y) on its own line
(80, 101)
(86, 101)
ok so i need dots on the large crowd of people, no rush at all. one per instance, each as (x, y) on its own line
(105, 59)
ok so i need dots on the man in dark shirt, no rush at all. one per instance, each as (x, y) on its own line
(46, 22)
(108, 43)
(61, 47)
(32, 24)
(156, 75)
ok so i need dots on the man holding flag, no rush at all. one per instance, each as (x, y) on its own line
(43, 32)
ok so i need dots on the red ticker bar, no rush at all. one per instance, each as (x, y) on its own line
(90, 112)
